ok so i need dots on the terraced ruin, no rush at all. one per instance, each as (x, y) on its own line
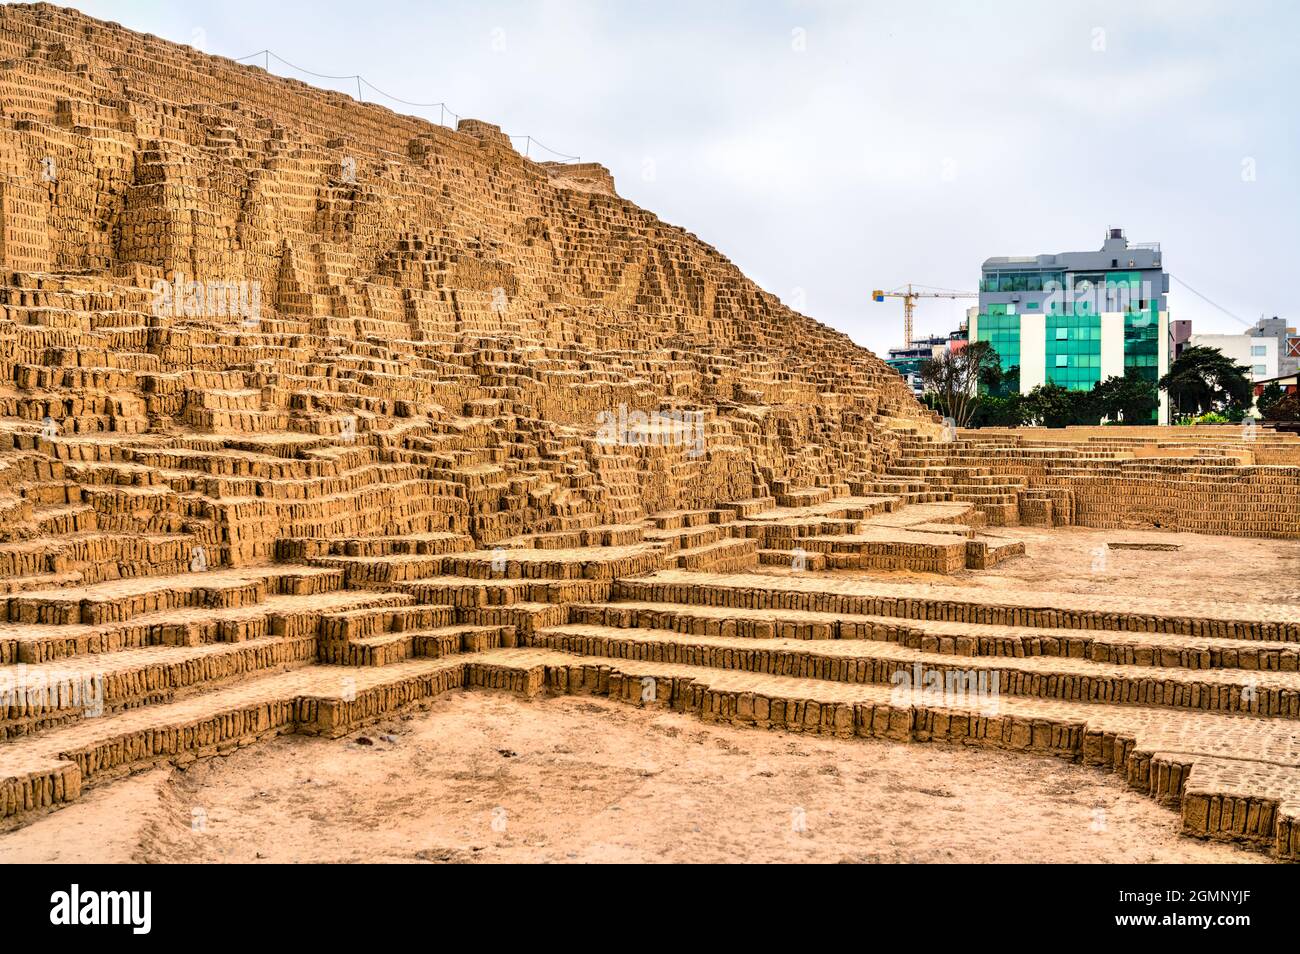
(311, 412)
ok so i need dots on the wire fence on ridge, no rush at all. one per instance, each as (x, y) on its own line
(444, 111)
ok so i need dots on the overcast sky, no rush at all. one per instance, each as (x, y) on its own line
(829, 148)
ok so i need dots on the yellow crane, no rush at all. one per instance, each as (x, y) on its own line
(909, 303)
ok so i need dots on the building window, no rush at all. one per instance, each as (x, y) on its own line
(1260, 370)
(1062, 334)
(1258, 351)
(1062, 360)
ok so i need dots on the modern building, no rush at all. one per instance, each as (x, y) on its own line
(1259, 354)
(1180, 330)
(908, 361)
(1076, 318)
(1288, 342)
(1269, 348)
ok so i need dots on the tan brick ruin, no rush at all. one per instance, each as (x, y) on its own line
(311, 412)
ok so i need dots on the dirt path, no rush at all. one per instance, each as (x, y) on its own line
(492, 777)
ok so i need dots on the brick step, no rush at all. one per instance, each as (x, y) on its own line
(860, 507)
(607, 535)
(885, 548)
(779, 533)
(463, 593)
(986, 553)
(51, 493)
(873, 661)
(432, 543)
(1112, 647)
(1005, 514)
(99, 556)
(750, 507)
(932, 601)
(380, 571)
(40, 581)
(122, 600)
(279, 615)
(948, 512)
(523, 617)
(980, 496)
(40, 696)
(52, 768)
(803, 496)
(917, 468)
(796, 559)
(385, 649)
(681, 519)
(724, 556)
(586, 563)
(65, 519)
(683, 538)
(363, 622)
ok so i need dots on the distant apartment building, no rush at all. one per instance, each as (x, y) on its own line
(1259, 355)
(1288, 342)
(908, 361)
(1180, 330)
(1076, 318)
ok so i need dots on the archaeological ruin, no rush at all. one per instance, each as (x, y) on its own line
(311, 411)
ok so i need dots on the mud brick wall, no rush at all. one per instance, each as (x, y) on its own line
(456, 311)
(156, 682)
(777, 596)
(1220, 480)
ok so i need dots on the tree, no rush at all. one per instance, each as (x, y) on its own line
(1054, 406)
(1287, 409)
(954, 376)
(1204, 379)
(1131, 399)
(1269, 398)
(999, 383)
(994, 411)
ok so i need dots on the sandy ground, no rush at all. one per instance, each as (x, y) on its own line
(1066, 559)
(493, 777)
(1072, 560)
(487, 777)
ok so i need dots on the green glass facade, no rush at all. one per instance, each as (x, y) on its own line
(1142, 342)
(1003, 332)
(1074, 350)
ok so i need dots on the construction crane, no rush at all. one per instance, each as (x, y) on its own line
(909, 303)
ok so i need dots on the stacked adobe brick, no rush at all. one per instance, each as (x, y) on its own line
(397, 305)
